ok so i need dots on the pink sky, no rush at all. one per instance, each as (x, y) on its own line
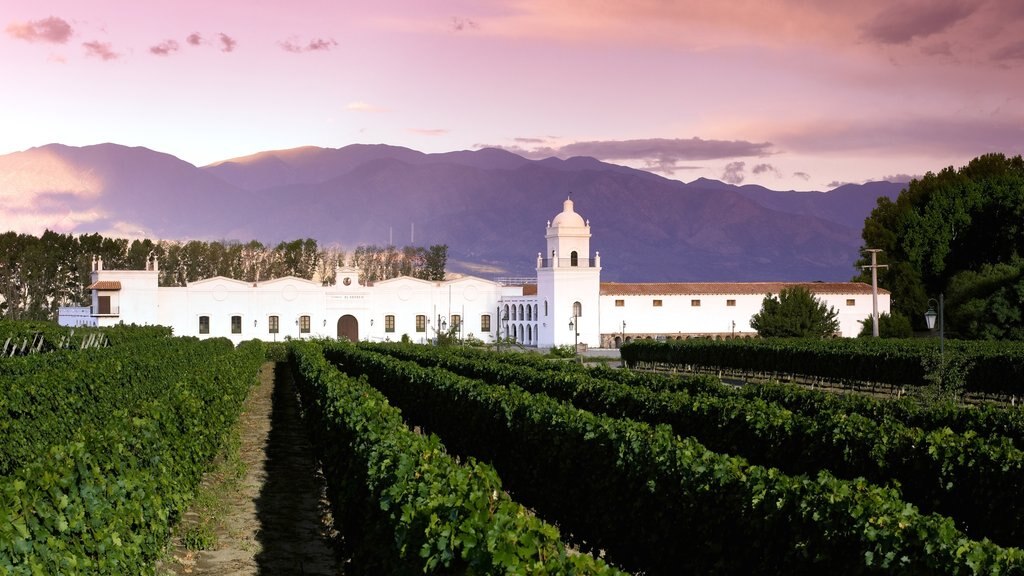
(800, 94)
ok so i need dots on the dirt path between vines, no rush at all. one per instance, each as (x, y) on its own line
(274, 519)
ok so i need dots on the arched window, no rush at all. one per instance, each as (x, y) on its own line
(535, 315)
(574, 258)
(514, 332)
(505, 317)
(529, 334)
(521, 315)
(545, 308)
(513, 312)
(577, 309)
(529, 312)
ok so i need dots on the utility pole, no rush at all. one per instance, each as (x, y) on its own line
(874, 288)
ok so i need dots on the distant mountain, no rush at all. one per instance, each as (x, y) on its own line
(490, 206)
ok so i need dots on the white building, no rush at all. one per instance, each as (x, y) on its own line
(568, 304)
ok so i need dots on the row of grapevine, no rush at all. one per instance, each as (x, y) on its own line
(104, 450)
(45, 336)
(665, 505)
(987, 367)
(977, 481)
(404, 505)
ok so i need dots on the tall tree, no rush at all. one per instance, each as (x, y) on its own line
(944, 225)
(795, 313)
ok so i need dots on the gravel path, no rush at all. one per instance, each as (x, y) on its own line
(276, 520)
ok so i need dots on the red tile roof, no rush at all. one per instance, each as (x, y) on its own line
(529, 289)
(105, 285)
(705, 288)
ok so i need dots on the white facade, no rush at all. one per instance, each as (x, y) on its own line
(568, 293)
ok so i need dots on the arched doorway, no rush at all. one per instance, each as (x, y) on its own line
(348, 328)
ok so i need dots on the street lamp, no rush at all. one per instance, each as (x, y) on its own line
(442, 326)
(574, 325)
(929, 319)
(623, 334)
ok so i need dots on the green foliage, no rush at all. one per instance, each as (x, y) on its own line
(795, 313)
(893, 325)
(959, 230)
(404, 505)
(566, 351)
(664, 504)
(103, 449)
(435, 262)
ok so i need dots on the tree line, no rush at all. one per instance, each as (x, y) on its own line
(40, 274)
(959, 233)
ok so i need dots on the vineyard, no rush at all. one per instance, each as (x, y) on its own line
(448, 460)
(654, 474)
(103, 447)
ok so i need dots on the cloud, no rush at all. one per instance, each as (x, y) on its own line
(896, 178)
(314, 45)
(461, 24)
(100, 50)
(227, 43)
(164, 48)
(363, 107)
(53, 30)
(802, 175)
(530, 140)
(1014, 51)
(429, 131)
(194, 39)
(937, 49)
(901, 22)
(762, 168)
(733, 173)
(836, 184)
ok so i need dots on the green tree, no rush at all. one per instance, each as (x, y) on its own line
(988, 303)
(947, 224)
(895, 325)
(435, 262)
(795, 313)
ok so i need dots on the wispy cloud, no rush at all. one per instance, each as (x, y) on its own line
(764, 168)
(462, 24)
(1010, 52)
(802, 175)
(164, 48)
(227, 43)
(53, 30)
(314, 45)
(194, 39)
(364, 107)
(100, 50)
(429, 131)
(901, 22)
(663, 155)
(733, 173)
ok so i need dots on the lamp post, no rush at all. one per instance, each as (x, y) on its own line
(574, 325)
(623, 334)
(929, 319)
(442, 326)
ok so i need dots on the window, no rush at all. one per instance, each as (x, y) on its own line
(389, 323)
(574, 259)
(577, 309)
(730, 302)
(421, 323)
(545, 308)
(851, 302)
(657, 303)
(273, 325)
(303, 324)
(694, 303)
(485, 323)
(456, 322)
(620, 303)
(204, 324)
(236, 324)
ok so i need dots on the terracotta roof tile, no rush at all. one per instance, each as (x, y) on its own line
(705, 288)
(105, 285)
(529, 289)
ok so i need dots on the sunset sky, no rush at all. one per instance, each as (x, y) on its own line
(789, 94)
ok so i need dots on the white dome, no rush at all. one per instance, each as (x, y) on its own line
(568, 217)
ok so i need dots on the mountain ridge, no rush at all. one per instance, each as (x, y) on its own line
(488, 205)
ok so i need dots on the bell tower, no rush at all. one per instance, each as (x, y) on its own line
(568, 282)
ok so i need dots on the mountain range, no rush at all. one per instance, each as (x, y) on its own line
(489, 206)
